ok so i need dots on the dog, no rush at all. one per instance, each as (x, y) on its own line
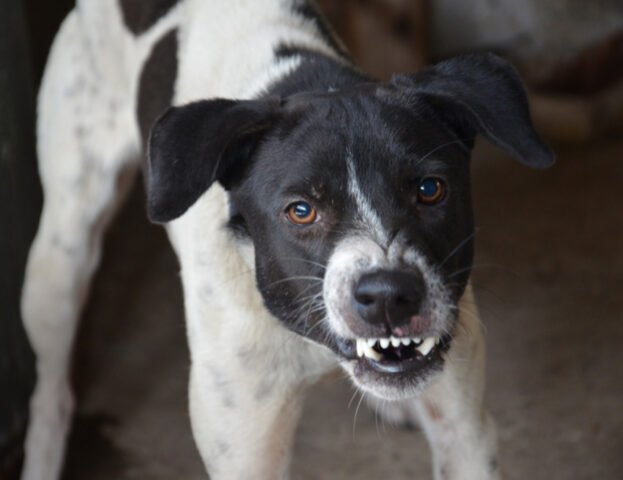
(321, 219)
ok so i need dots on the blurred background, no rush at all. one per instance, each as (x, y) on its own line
(548, 272)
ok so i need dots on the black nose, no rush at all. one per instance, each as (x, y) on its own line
(390, 297)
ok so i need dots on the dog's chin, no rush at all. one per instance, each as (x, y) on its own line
(393, 373)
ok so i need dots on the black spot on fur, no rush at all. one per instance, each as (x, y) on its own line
(222, 385)
(223, 447)
(82, 131)
(228, 402)
(265, 388)
(157, 81)
(139, 15)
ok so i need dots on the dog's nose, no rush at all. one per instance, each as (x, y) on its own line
(389, 297)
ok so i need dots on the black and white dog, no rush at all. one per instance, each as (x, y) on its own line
(320, 219)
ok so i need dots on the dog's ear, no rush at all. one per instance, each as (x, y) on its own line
(193, 146)
(480, 93)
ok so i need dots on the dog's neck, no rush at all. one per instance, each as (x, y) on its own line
(315, 72)
(266, 42)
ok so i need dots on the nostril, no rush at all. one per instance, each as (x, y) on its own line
(405, 300)
(369, 303)
(365, 299)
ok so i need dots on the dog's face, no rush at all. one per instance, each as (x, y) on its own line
(355, 227)
(357, 203)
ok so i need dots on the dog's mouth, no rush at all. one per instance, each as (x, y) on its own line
(394, 355)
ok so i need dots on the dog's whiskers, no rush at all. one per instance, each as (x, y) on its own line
(439, 147)
(461, 244)
(471, 314)
(350, 402)
(309, 305)
(363, 394)
(304, 260)
(294, 278)
(299, 297)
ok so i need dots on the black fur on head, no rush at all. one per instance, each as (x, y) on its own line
(479, 93)
(192, 146)
(358, 156)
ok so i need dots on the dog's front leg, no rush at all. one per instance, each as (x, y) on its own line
(248, 372)
(246, 387)
(243, 430)
(460, 432)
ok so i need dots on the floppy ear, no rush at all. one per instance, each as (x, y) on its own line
(481, 93)
(192, 146)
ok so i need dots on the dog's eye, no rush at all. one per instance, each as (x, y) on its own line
(431, 190)
(301, 212)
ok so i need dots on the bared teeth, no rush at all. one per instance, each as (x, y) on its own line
(426, 346)
(369, 352)
(359, 348)
(365, 347)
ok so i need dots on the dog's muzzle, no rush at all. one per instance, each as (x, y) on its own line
(390, 324)
(390, 313)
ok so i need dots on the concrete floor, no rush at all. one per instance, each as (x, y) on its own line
(549, 280)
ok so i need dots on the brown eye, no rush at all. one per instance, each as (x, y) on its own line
(302, 213)
(431, 190)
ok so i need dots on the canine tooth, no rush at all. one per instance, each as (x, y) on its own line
(405, 341)
(426, 346)
(371, 342)
(369, 352)
(384, 343)
(437, 340)
(395, 342)
(360, 344)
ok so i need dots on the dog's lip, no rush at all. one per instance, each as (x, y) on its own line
(347, 349)
(397, 371)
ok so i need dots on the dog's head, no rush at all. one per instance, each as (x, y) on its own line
(357, 202)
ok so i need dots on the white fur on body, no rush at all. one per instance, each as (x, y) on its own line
(248, 372)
